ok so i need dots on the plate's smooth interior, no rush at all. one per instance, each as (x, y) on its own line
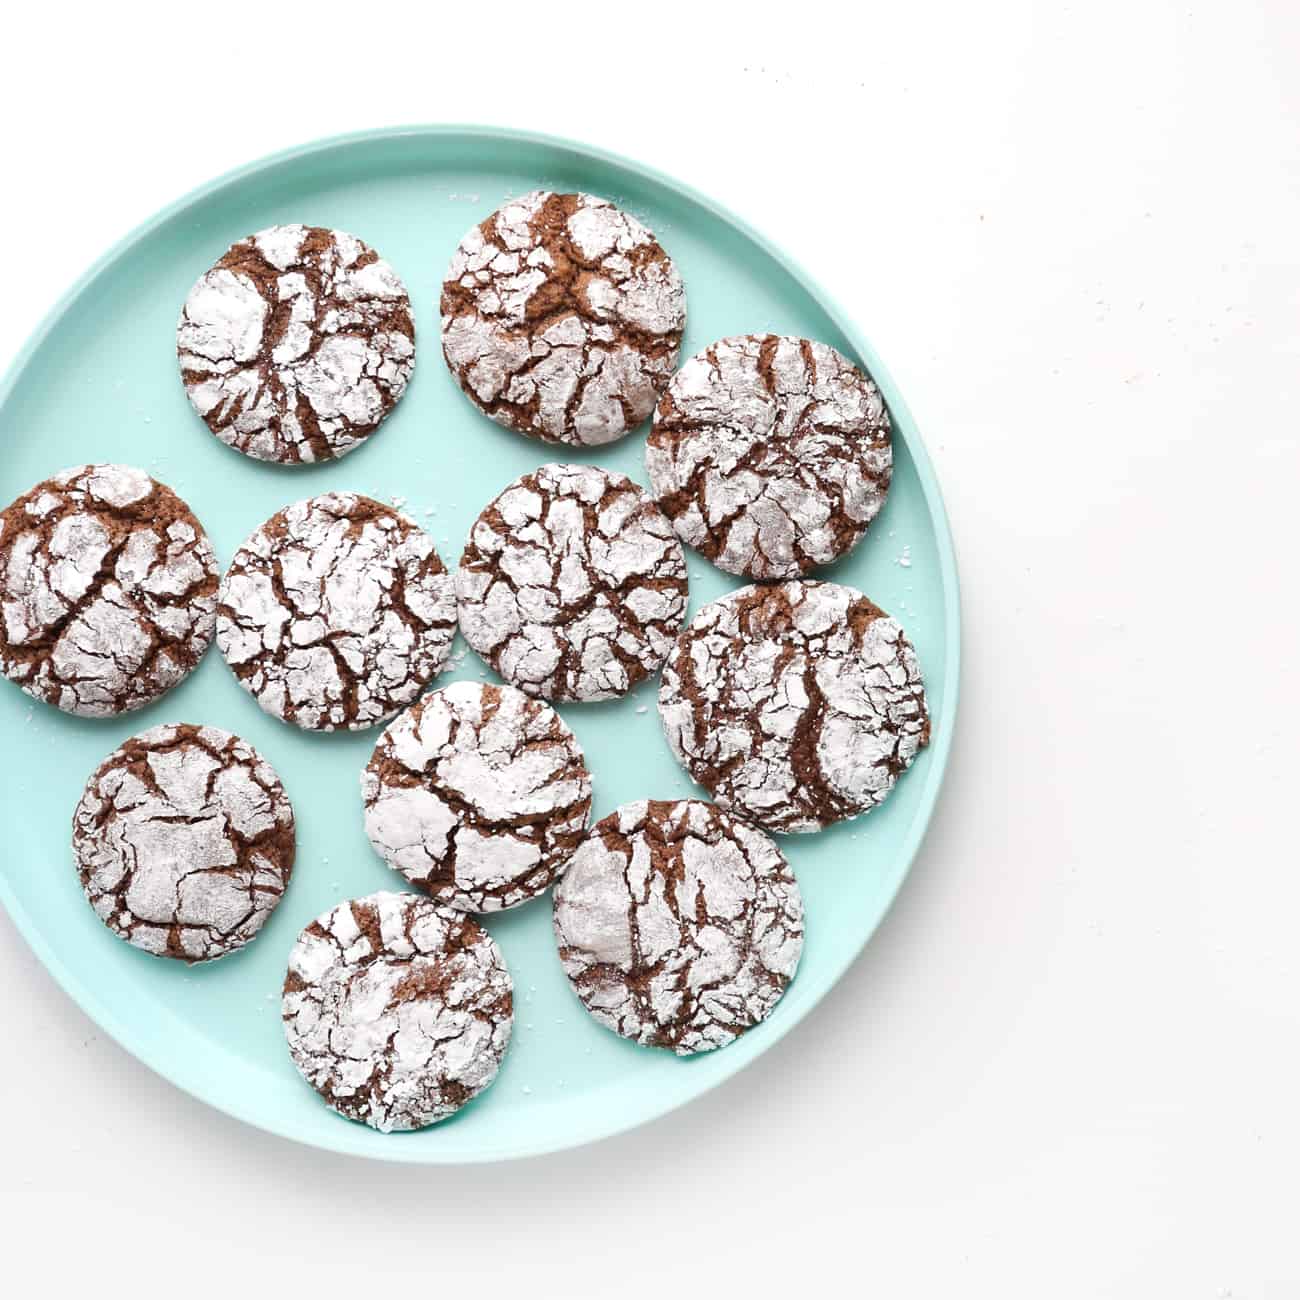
(100, 384)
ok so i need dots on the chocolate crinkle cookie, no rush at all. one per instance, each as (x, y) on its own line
(562, 317)
(336, 612)
(477, 794)
(794, 705)
(107, 590)
(396, 1011)
(678, 925)
(770, 454)
(572, 584)
(296, 344)
(184, 841)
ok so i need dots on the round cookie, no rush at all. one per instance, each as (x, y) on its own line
(477, 794)
(396, 1011)
(562, 317)
(336, 612)
(296, 344)
(572, 584)
(184, 841)
(107, 590)
(678, 925)
(794, 705)
(770, 454)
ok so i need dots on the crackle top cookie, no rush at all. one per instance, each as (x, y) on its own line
(477, 794)
(794, 705)
(184, 841)
(336, 612)
(107, 590)
(572, 584)
(678, 925)
(770, 454)
(396, 1011)
(296, 344)
(562, 317)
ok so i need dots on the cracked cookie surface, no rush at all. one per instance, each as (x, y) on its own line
(336, 612)
(477, 794)
(561, 318)
(107, 590)
(296, 344)
(396, 1011)
(184, 841)
(572, 584)
(770, 454)
(794, 705)
(678, 925)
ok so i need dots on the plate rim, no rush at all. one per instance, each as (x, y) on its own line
(104, 1015)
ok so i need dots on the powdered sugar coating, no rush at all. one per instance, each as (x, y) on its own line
(770, 454)
(794, 705)
(296, 344)
(572, 584)
(477, 794)
(336, 612)
(107, 590)
(396, 1011)
(561, 318)
(184, 841)
(678, 925)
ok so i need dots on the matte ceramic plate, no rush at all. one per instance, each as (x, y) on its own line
(99, 383)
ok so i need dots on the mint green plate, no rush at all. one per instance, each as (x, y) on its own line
(98, 382)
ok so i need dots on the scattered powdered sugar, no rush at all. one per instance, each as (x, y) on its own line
(678, 925)
(770, 454)
(184, 840)
(396, 1011)
(561, 318)
(478, 795)
(572, 584)
(296, 344)
(794, 705)
(336, 612)
(107, 590)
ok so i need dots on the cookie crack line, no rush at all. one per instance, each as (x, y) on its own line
(562, 317)
(795, 705)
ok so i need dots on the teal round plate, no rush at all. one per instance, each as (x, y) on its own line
(99, 382)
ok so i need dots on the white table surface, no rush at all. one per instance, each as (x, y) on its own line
(1069, 1062)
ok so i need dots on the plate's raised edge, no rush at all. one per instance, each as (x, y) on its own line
(399, 1151)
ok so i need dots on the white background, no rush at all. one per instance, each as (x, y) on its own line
(1069, 1062)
